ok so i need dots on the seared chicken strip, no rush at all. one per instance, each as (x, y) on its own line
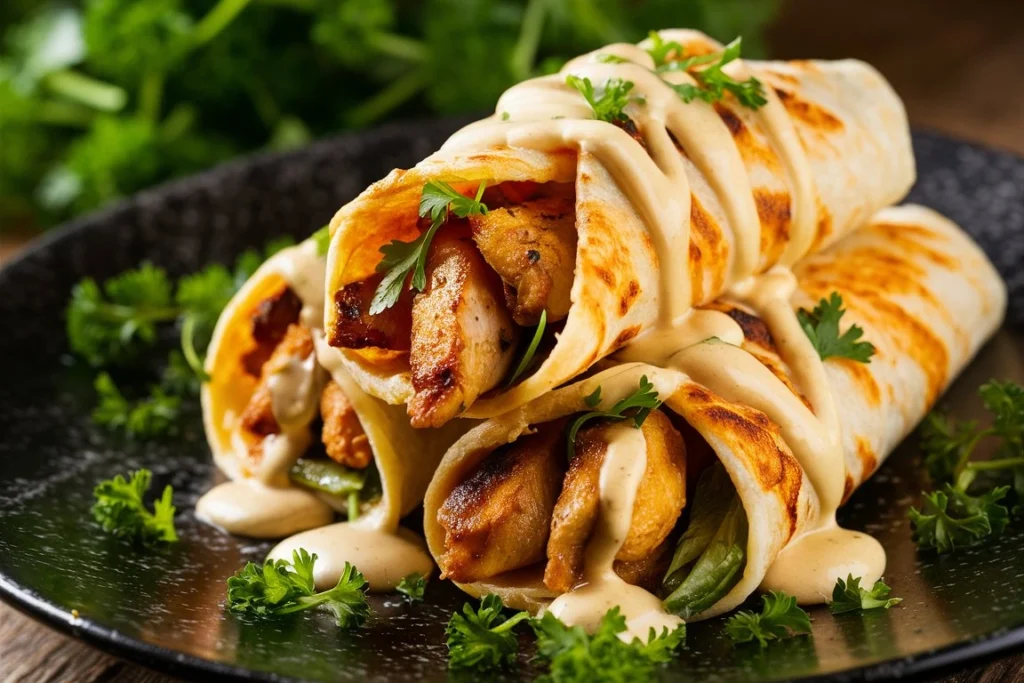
(343, 435)
(270, 322)
(258, 417)
(532, 246)
(355, 328)
(463, 339)
(498, 519)
(659, 500)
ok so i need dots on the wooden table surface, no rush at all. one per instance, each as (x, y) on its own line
(958, 66)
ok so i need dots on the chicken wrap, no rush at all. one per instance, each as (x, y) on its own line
(286, 423)
(728, 481)
(593, 203)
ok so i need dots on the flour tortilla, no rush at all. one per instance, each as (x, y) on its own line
(404, 457)
(849, 121)
(926, 297)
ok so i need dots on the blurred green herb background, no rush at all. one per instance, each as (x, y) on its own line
(101, 98)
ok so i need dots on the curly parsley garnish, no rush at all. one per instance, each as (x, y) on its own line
(121, 511)
(150, 417)
(712, 82)
(283, 587)
(848, 596)
(483, 638)
(637, 406)
(780, 618)
(952, 517)
(608, 101)
(116, 323)
(822, 327)
(438, 200)
(575, 656)
(412, 587)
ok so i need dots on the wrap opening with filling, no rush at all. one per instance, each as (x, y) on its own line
(514, 506)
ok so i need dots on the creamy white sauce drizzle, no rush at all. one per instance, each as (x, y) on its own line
(263, 503)
(248, 508)
(383, 558)
(621, 473)
(545, 114)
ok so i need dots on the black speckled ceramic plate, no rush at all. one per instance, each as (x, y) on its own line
(165, 608)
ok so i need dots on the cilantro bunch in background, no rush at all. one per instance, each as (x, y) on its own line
(101, 98)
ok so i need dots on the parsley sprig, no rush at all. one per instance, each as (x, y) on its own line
(609, 100)
(952, 517)
(483, 638)
(848, 596)
(780, 618)
(572, 655)
(822, 327)
(114, 324)
(121, 510)
(153, 416)
(711, 81)
(438, 201)
(637, 406)
(282, 587)
(412, 587)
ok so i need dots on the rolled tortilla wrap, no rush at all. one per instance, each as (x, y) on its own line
(400, 458)
(722, 192)
(925, 296)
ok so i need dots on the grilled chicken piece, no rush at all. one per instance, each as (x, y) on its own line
(258, 417)
(462, 337)
(659, 501)
(498, 519)
(343, 435)
(270, 322)
(355, 328)
(532, 246)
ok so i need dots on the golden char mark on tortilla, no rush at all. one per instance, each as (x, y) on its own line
(814, 115)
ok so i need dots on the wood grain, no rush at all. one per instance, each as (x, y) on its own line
(957, 65)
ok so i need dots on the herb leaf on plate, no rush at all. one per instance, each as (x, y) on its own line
(848, 596)
(780, 617)
(951, 519)
(282, 587)
(971, 505)
(412, 587)
(573, 655)
(483, 638)
(121, 511)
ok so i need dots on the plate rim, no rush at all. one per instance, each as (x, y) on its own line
(944, 660)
